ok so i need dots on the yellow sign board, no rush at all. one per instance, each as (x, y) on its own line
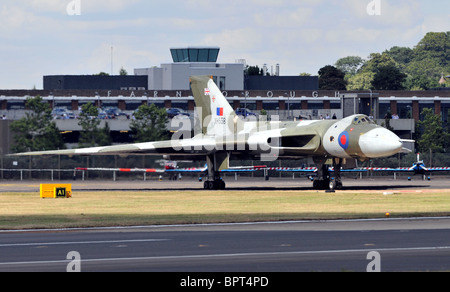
(56, 190)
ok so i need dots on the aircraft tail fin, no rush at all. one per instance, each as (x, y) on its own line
(216, 115)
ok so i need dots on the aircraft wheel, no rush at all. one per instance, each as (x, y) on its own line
(332, 185)
(316, 185)
(212, 185)
(320, 184)
(221, 185)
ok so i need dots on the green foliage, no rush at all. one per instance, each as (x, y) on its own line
(349, 65)
(149, 124)
(362, 81)
(331, 78)
(433, 137)
(36, 131)
(420, 82)
(123, 72)
(423, 65)
(377, 61)
(435, 45)
(253, 70)
(388, 77)
(401, 55)
(92, 135)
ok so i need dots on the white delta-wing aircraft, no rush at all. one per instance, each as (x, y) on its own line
(222, 136)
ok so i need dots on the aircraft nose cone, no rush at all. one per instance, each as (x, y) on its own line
(380, 142)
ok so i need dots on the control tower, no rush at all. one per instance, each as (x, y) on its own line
(190, 61)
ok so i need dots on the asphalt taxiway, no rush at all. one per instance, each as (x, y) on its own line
(402, 245)
(242, 184)
(415, 244)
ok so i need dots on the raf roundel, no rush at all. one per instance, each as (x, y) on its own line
(343, 140)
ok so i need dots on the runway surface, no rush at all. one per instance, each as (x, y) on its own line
(402, 245)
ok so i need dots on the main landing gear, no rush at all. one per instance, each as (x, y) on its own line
(218, 184)
(214, 162)
(325, 181)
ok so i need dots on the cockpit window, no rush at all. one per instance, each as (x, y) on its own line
(362, 119)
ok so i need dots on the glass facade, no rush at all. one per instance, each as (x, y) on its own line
(385, 108)
(404, 109)
(208, 55)
(445, 110)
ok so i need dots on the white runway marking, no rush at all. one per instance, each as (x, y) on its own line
(81, 242)
(237, 255)
(410, 219)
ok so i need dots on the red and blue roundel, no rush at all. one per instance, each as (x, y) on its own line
(344, 140)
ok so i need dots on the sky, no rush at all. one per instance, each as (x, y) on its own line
(75, 37)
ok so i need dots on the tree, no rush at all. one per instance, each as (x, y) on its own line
(123, 72)
(92, 135)
(349, 65)
(36, 131)
(361, 81)
(376, 61)
(431, 58)
(331, 78)
(389, 77)
(423, 65)
(433, 137)
(253, 70)
(435, 45)
(402, 55)
(420, 82)
(149, 124)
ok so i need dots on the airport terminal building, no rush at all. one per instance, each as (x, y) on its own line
(168, 86)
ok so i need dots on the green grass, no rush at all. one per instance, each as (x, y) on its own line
(89, 209)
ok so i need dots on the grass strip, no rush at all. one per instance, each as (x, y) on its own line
(101, 209)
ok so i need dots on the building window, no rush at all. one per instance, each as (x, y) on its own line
(203, 55)
(180, 104)
(315, 105)
(15, 105)
(385, 108)
(335, 105)
(294, 105)
(222, 83)
(270, 105)
(213, 55)
(404, 110)
(423, 105)
(445, 110)
(193, 55)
